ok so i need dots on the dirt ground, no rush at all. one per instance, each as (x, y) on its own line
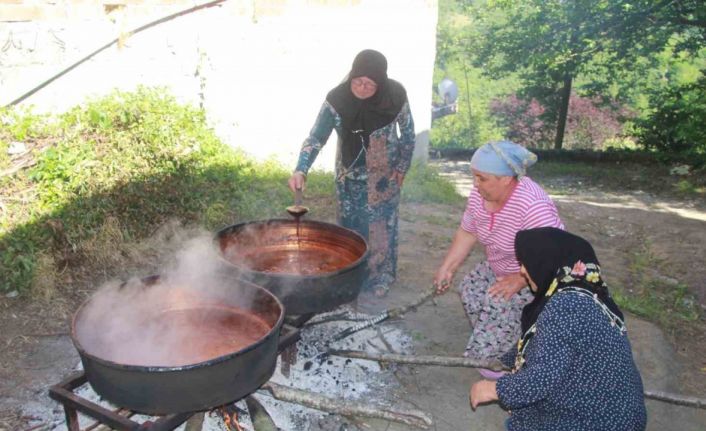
(35, 350)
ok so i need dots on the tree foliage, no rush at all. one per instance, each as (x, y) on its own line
(551, 42)
(677, 122)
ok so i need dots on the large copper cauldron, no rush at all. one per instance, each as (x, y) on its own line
(157, 347)
(310, 266)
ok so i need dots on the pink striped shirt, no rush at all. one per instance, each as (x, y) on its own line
(528, 206)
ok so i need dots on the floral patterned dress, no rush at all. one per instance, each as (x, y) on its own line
(368, 199)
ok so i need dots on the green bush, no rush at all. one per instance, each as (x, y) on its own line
(675, 127)
(138, 157)
(424, 184)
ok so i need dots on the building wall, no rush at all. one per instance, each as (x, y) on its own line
(260, 68)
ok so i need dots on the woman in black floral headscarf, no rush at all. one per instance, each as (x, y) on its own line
(573, 367)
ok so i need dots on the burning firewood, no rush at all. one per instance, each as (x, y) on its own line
(415, 418)
(229, 414)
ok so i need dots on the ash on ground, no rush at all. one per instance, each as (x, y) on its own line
(337, 377)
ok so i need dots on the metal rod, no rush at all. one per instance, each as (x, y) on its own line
(91, 409)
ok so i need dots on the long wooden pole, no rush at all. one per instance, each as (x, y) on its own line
(445, 361)
(678, 399)
(415, 418)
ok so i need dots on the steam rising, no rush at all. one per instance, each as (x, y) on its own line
(197, 308)
(191, 312)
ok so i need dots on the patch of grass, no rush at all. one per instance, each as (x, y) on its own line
(689, 187)
(565, 176)
(441, 220)
(21, 125)
(109, 173)
(654, 297)
(418, 336)
(670, 306)
(606, 175)
(424, 184)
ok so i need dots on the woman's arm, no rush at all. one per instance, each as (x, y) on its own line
(461, 246)
(325, 122)
(407, 139)
(549, 360)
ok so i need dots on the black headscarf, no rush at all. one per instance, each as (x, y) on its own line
(360, 118)
(550, 254)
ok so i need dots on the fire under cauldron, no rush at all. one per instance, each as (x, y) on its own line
(310, 266)
(157, 347)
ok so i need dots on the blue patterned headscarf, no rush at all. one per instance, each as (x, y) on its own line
(503, 158)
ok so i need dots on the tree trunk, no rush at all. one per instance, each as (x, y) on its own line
(468, 101)
(563, 112)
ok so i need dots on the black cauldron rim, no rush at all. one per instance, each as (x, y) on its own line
(152, 279)
(348, 268)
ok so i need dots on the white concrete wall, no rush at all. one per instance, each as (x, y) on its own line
(260, 68)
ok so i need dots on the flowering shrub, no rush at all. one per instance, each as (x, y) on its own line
(523, 120)
(588, 126)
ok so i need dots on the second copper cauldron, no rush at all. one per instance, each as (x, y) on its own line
(310, 266)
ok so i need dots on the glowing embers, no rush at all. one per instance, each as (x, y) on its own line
(229, 413)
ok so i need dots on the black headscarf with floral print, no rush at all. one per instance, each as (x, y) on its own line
(360, 118)
(556, 259)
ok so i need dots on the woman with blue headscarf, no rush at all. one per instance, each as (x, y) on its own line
(502, 202)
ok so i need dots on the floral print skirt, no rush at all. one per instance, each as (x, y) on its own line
(495, 322)
(377, 222)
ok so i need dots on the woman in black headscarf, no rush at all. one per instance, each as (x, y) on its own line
(371, 161)
(573, 367)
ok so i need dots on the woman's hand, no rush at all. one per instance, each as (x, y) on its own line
(460, 247)
(442, 280)
(482, 392)
(507, 285)
(297, 181)
(397, 177)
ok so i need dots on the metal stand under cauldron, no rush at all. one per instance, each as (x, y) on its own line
(63, 392)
